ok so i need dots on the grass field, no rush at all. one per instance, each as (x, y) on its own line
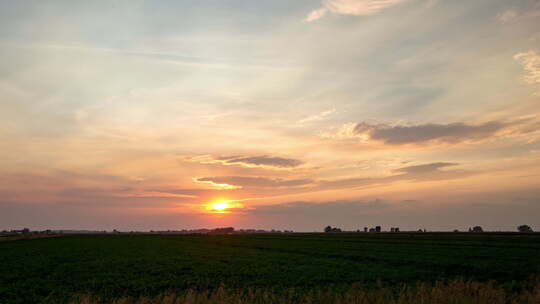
(53, 270)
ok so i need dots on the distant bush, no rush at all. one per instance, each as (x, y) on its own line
(476, 229)
(328, 229)
(524, 228)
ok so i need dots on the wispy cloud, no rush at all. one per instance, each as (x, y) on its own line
(515, 14)
(431, 171)
(531, 64)
(254, 182)
(351, 7)
(318, 117)
(316, 14)
(261, 161)
(507, 16)
(426, 168)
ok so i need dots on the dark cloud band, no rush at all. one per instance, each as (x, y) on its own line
(415, 134)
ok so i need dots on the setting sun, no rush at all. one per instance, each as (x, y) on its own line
(223, 206)
(220, 206)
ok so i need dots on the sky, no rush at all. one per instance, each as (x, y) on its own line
(142, 115)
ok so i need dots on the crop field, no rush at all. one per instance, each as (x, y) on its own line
(53, 270)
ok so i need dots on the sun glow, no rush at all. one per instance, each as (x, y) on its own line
(220, 206)
(224, 206)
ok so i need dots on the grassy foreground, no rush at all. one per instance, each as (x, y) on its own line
(112, 267)
(455, 292)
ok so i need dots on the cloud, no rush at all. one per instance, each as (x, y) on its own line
(507, 16)
(262, 161)
(316, 14)
(531, 64)
(255, 182)
(418, 134)
(265, 161)
(318, 117)
(446, 133)
(125, 192)
(351, 7)
(424, 172)
(519, 14)
(426, 168)
(430, 171)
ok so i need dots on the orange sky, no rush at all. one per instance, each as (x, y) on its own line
(135, 115)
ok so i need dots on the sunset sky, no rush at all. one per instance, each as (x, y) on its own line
(296, 114)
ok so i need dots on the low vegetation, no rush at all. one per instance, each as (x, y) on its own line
(272, 268)
(455, 292)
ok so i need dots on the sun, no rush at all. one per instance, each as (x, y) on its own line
(223, 206)
(220, 206)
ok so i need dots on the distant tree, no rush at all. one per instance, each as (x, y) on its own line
(335, 229)
(477, 229)
(524, 228)
(225, 230)
(455, 230)
(365, 229)
(328, 229)
(377, 228)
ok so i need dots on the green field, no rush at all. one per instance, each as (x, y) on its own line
(111, 266)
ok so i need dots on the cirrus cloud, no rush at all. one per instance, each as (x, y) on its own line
(531, 65)
(254, 182)
(261, 161)
(425, 168)
(351, 7)
(430, 171)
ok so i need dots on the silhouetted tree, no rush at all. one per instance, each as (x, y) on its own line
(524, 228)
(330, 229)
(477, 229)
(225, 230)
(377, 228)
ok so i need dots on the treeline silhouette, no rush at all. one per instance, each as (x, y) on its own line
(378, 229)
